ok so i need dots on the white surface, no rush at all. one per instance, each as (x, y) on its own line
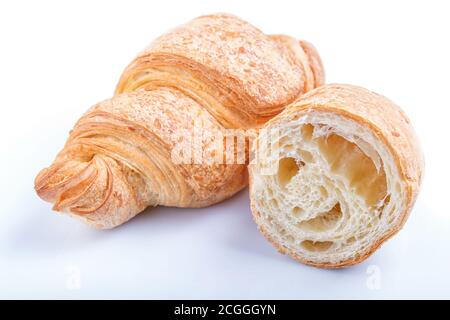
(57, 59)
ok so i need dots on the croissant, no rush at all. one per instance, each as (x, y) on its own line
(127, 153)
(334, 175)
(238, 74)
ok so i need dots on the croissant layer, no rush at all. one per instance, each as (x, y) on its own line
(163, 138)
(240, 75)
(118, 160)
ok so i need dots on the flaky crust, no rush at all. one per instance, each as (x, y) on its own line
(117, 160)
(387, 122)
(240, 75)
(217, 70)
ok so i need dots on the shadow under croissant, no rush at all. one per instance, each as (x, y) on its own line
(163, 220)
(71, 236)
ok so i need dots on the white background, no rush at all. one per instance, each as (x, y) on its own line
(58, 58)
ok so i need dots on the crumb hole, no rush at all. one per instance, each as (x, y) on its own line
(306, 156)
(296, 211)
(287, 169)
(316, 246)
(307, 131)
(324, 221)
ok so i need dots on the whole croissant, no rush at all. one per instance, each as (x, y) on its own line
(216, 70)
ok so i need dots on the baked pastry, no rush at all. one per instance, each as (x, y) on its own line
(121, 158)
(335, 175)
(126, 153)
(240, 75)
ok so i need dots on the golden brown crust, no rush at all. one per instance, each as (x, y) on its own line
(217, 70)
(118, 160)
(387, 122)
(240, 75)
(306, 56)
(315, 63)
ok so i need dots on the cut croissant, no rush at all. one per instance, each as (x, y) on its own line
(216, 70)
(335, 175)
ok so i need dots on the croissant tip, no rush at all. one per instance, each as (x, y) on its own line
(315, 62)
(40, 183)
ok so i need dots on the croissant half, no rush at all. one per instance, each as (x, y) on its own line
(217, 70)
(338, 178)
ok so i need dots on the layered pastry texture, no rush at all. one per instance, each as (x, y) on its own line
(217, 72)
(242, 76)
(335, 175)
